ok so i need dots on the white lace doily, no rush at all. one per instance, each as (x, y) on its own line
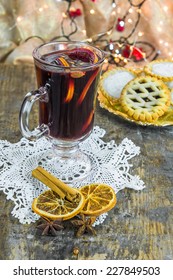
(111, 166)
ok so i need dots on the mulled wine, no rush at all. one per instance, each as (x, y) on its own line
(69, 108)
(67, 75)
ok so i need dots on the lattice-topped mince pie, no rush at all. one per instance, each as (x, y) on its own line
(161, 69)
(113, 81)
(145, 98)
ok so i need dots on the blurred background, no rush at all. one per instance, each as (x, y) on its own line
(128, 30)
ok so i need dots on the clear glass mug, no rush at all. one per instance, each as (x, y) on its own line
(67, 76)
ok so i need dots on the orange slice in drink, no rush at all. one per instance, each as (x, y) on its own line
(70, 91)
(87, 86)
(99, 198)
(83, 54)
(77, 74)
(61, 61)
(49, 204)
(88, 121)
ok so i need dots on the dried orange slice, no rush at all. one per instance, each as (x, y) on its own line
(49, 204)
(99, 198)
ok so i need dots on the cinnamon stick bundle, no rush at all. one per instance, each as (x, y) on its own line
(63, 190)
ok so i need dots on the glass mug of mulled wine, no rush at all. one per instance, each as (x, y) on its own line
(67, 76)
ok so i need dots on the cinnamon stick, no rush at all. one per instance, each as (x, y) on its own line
(38, 175)
(54, 183)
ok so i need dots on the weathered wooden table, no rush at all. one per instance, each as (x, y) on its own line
(141, 224)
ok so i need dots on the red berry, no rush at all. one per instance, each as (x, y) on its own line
(137, 53)
(120, 25)
(75, 13)
(126, 51)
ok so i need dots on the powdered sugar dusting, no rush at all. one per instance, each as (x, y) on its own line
(115, 83)
(163, 69)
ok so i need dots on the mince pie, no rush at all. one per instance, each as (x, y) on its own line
(145, 98)
(113, 81)
(161, 69)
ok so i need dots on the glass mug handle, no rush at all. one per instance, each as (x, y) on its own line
(28, 102)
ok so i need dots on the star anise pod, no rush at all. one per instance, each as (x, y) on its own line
(49, 227)
(84, 224)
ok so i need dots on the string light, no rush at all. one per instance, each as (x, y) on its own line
(140, 34)
(84, 31)
(92, 11)
(121, 23)
(64, 15)
(19, 19)
(100, 38)
(89, 40)
(111, 47)
(109, 32)
(165, 8)
(159, 29)
(118, 10)
(130, 20)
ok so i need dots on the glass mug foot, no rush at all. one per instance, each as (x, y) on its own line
(67, 76)
(73, 168)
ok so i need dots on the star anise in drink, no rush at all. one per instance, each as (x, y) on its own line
(49, 227)
(84, 224)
